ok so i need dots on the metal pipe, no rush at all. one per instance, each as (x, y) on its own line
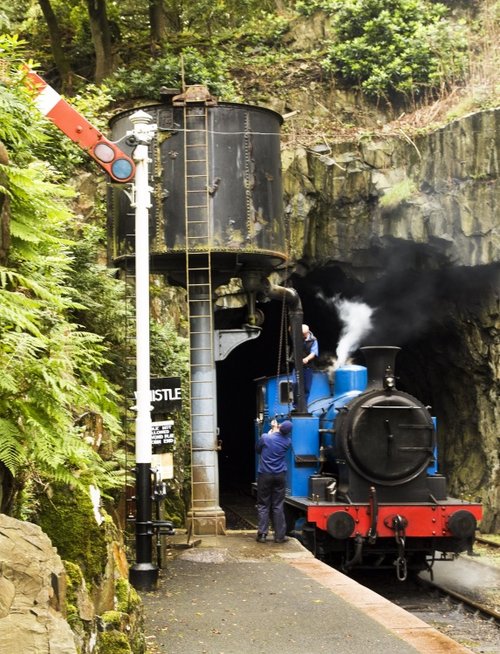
(296, 318)
(205, 516)
(358, 554)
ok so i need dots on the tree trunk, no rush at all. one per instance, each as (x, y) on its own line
(157, 24)
(7, 490)
(4, 209)
(60, 59)
(164, 17)
(101, 38)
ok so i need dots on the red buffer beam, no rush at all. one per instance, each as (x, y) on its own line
(119, 166)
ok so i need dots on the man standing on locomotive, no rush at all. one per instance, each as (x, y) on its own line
(271, 480)
(310, 352)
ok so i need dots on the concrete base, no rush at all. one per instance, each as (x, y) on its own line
(206, 522)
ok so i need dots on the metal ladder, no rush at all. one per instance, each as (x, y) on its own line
(202, 383)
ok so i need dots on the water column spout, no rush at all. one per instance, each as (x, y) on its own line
(206, 516)
(296, 316)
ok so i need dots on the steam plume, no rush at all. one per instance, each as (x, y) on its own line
(356, 319)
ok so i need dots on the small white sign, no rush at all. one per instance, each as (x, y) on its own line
(164, 465)
(162, 433)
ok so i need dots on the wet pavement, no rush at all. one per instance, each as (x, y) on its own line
(231, 595)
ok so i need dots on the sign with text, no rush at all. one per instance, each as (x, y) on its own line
(162, 433)
(166, 394)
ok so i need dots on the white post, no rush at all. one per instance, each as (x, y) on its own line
(143, 574)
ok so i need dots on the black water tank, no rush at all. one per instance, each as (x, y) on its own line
(218, 168)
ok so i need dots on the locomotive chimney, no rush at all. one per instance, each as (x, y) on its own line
(379, 358)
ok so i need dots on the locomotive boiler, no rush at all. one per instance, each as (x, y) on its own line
(363, 482)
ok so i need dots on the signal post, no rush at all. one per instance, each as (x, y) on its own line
(123, 168)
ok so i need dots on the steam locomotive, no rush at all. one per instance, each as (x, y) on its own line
(363, 486)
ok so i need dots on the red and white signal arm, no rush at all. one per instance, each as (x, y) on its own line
(119, 166)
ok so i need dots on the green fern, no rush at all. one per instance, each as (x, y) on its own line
(52, 367)
(12, 453)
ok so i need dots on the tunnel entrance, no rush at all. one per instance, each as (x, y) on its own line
(236, 388)
(236, 401)
(435, 316)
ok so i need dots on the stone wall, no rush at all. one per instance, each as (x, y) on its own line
(48, 607)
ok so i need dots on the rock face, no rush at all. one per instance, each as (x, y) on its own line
(349, 201)
(32, 592)
(411, 226)
(47, 607)
(102, 608)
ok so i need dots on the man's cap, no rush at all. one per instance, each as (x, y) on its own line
(286, 427)
(305, 329)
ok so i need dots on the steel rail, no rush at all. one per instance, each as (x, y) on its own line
(487, 541)
(468, 601)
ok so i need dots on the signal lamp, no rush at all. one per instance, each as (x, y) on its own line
(113, 161)
(104, 152)
(389, 379)
(121, 169)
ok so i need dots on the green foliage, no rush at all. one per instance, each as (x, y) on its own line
(102, 308)
(397, 194)
(201, 25)
(207, 66)
(21, 127)
(194, 53)
(384, 46)
(113, 642)
(72, 17)
(52, 368)
(112, 619)
(262, 28)
(170, 358)
(127, 598)
(74, 581)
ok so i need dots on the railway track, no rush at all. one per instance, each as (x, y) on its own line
(474, 580)
(238, 520)
(469, 602)
(461, 599)
(457, 615)
(488, 541)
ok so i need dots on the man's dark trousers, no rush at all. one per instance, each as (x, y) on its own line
(271, 490)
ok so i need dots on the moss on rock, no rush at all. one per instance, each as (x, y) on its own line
(67, 517)
(74, 579)
(113, 642)
(127, 598)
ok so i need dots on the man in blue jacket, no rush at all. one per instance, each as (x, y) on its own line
(271, 481)
(310, 352)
